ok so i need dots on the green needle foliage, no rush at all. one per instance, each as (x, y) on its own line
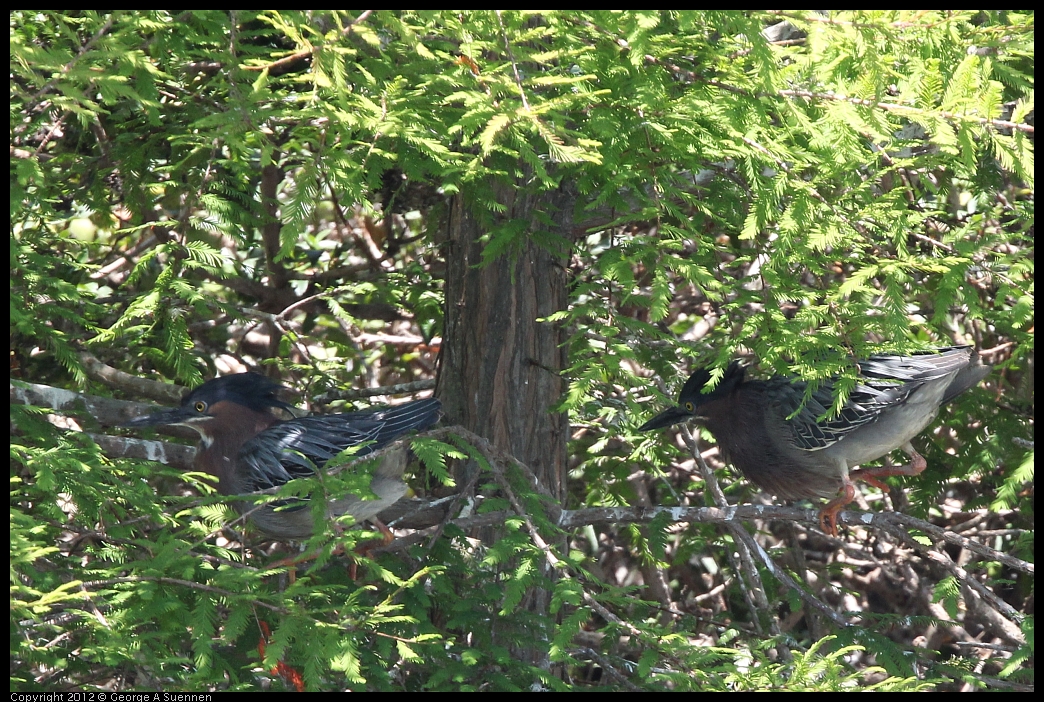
(209, 190)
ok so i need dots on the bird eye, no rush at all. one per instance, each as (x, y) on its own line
(200, 406)
(688, 407)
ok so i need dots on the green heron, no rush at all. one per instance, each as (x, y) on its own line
(775, 435)
(249, 449)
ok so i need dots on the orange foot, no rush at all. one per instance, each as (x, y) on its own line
(828, 515)
(281, 669)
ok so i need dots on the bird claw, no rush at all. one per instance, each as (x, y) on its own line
(828, 514)
(828, 520)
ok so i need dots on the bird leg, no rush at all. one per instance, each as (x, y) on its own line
(365, 549)
(293, 561)
(871, 475)
(304, 557)
(828, 515)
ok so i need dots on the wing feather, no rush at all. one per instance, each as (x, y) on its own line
(294, 449)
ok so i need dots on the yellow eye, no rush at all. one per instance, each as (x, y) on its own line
(688, 407)
(200, 406)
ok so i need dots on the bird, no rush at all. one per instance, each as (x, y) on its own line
(782, 441)
(249, 449)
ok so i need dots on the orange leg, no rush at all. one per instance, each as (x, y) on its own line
(871, 475)
(828, 515)
(364, 550)
(386, 538)
(303, 557)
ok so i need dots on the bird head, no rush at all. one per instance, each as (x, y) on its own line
(218, 400)
(692, 398)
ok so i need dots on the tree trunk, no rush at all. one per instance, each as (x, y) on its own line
(501, 367)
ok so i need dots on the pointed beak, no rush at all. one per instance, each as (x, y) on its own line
(671, 415)
(171, 417)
